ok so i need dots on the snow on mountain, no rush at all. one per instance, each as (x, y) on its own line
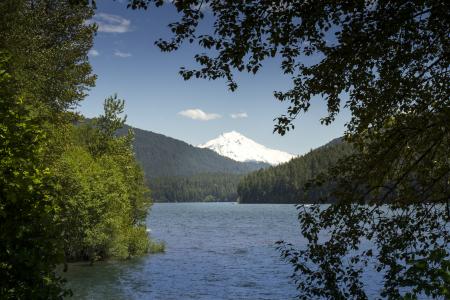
(238, 147)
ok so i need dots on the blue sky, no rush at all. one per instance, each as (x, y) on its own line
(158, 99)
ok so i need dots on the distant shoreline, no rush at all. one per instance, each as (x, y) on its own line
(232, 202)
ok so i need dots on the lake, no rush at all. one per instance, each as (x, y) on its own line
(213, 251)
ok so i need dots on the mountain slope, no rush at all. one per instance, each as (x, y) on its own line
(210, 187)
(285, 183)
(240, 148)
(162, 156)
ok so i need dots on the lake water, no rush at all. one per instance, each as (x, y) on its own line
(213, 251)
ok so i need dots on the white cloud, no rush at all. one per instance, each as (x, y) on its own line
(239, 115)
(111, 23)
(198, 114)
(93, 53)
(122, 54)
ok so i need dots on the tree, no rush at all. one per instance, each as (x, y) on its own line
(101, 190)
(388, 63)
(49, 41)
(43, 71)
(67, 192)
(30, 244)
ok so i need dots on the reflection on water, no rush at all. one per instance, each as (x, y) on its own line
(213, 251)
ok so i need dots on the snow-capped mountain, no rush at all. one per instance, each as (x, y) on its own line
(238, 147)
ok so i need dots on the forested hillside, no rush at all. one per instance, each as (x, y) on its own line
(162, 156)
(205, 187)
(285, 183)
(179, 172)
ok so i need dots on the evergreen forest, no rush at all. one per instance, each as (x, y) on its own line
(206, 187)
(287, 182)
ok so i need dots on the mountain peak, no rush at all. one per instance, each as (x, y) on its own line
(240, 148)
(232, 134)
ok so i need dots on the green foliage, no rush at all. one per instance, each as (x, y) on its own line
(102, 193)
(49, 41)
(66, 192)
(111, 121)
(46, 72)
(30, 243)
(286, 183)
(436, 267)
(207, 187)
(395, 197)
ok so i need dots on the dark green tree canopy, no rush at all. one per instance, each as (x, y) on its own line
(43, 71)
(49, 41)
